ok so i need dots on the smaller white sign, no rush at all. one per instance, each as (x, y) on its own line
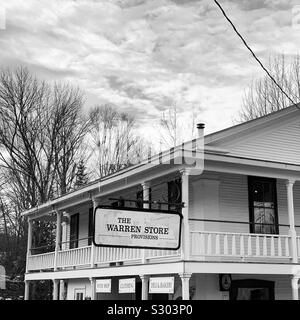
(103, 285)
(127, 285)
(161, 285)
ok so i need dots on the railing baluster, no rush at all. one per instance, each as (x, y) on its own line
(209, 244)
(233, 245)
(265, 252)
(287, 247)
(242, 249)
(272, 246)
(225, 244)
(279, 247)
(217, 244)
(249, 246)
(257, 251)
(202, 243)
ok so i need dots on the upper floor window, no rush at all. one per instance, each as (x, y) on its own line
(263, 205)
(140, 197)
(175, 195)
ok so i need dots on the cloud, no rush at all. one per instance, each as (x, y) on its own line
(145, 55)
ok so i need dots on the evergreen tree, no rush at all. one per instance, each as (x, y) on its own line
(81, 178)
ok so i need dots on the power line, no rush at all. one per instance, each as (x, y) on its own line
(253, 54)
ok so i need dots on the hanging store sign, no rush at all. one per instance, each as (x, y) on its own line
(137, 228)
(103, 285)
(161, 285)
(127, 285)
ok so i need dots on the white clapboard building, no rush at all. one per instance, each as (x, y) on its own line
(240, 227)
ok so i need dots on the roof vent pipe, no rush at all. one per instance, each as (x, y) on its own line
(200, 127)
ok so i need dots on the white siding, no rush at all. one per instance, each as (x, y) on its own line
(281, 144)
(227, 200)
(83, 224)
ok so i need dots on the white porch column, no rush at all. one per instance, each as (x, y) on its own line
(145, 285)
(64, 235)
(185, 244)
(26, 292)
(146, 197)
(93, 288)
(61, 290)
(58, 237)
(29, 241)
(55, 289)
(185, 285)
(291, 213)
(96, 203)
(295, 287)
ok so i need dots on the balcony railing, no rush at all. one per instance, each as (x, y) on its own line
(88, 256)
(240, 246)
(204, 246)
(229, 245)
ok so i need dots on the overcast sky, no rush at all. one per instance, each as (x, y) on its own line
(144, 55)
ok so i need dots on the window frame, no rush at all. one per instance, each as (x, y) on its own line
(273, 182)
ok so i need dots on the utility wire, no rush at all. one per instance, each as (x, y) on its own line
(253, 54)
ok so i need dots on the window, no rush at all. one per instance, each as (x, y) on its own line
(174, 195)
(74, 231)
(252, 289)
(140, 198)
(263, 205)
(91, 226)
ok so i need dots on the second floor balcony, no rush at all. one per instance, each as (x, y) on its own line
(210, 246)
(218, 226)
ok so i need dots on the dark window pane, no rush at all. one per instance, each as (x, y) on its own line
(263, 207)
(174, 194)
(139, 198)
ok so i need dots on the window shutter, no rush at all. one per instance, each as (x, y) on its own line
(74, 231)
(91, 226)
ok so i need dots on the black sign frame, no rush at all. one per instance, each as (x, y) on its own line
(170, 212)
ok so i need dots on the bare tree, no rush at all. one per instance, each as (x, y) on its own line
(41, 133)
(114, 142)
(263, 96)
(74, 126)
(176, 127)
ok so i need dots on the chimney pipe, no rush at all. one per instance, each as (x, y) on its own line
(200, 127)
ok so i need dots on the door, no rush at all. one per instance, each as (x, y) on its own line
(79, 294)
